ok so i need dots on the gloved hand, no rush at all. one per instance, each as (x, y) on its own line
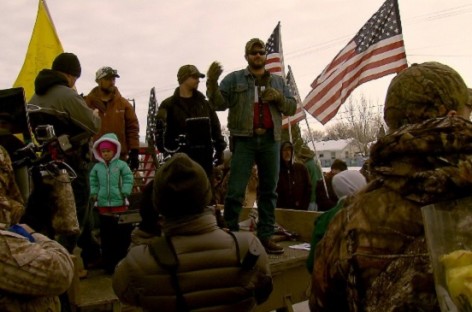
(213, 74)
(133, 159)
(218, 158)
(272, 95)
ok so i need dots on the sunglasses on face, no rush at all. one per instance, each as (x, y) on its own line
(261, 52)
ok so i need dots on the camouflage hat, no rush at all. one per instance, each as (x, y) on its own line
(251, 43)
(423, 91)
(188, 71)
(305, 153)
(106, 71)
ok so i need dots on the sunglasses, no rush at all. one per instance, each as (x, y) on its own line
(262, 52)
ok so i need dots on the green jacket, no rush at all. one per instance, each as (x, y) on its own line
(111, 182)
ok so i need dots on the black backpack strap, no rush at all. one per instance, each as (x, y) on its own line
(163, 252)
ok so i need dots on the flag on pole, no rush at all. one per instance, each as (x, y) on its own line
(299, 113)
(43, 48)
(377, 50)
(275, 57)
(275, 62)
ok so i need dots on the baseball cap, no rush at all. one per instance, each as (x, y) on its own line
(188, 71)
(106, 71)
(251, 43)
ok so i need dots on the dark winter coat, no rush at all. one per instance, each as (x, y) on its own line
(209, 271)
(294, 186)
(174, 111)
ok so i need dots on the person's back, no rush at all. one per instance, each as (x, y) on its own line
(34, 269)
(209, 275)
(376, 245)
(54, 92)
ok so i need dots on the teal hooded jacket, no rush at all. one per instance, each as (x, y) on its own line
(110, 183)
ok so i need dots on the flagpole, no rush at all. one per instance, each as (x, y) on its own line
(316, 155)
(312, 139)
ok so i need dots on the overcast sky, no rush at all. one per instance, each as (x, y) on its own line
(148, 40)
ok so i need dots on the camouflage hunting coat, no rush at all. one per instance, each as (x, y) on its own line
(11, 202)
(373, 256)
(32, 275)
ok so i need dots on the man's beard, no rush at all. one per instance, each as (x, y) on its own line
(108, 90)
(256, 65)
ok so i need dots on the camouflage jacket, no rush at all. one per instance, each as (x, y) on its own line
(373, 256)
(32, 275)
(11, 202)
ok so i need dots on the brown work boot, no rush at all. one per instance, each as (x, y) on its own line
(272, 247)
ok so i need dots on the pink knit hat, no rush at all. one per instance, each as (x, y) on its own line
(108, 145)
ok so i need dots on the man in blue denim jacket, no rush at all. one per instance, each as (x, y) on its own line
(256, 101)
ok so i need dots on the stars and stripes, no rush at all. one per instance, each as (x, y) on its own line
(376, 50)
(275, 58)
(299, 113)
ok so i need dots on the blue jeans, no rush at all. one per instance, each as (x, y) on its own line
(263, 151)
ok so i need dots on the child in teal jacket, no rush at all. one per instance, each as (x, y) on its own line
(111, 180)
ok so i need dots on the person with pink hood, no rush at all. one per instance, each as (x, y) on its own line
(111, 182)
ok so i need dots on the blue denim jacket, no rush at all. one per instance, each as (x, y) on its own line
(237, 91)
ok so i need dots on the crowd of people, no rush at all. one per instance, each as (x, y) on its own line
(367, 242)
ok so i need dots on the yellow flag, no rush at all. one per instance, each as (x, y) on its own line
(43, 48)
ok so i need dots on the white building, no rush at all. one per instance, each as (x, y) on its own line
(346, 150)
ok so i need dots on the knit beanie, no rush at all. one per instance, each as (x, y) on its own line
(181, 188)
(339, 165)
(423, 91)
(347, 182)
(67, 63)
(108, 145)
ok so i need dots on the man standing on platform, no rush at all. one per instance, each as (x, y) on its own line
(256, 100)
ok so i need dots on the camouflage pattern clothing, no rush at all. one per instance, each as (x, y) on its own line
(423, 91)
(32, 275)
(374, 256)
(11, 202)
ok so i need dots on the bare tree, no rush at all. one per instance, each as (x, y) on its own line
(360, 120)
(318, 135)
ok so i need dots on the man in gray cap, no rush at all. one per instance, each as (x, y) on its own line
(188, 114)
(256, 100)
(117, 114)
(54, 92)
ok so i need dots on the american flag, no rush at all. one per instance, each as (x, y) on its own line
(275, 57)
(376, 50)
(299, 113)
(275, 64)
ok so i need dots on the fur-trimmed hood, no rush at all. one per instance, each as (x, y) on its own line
(110, 137)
